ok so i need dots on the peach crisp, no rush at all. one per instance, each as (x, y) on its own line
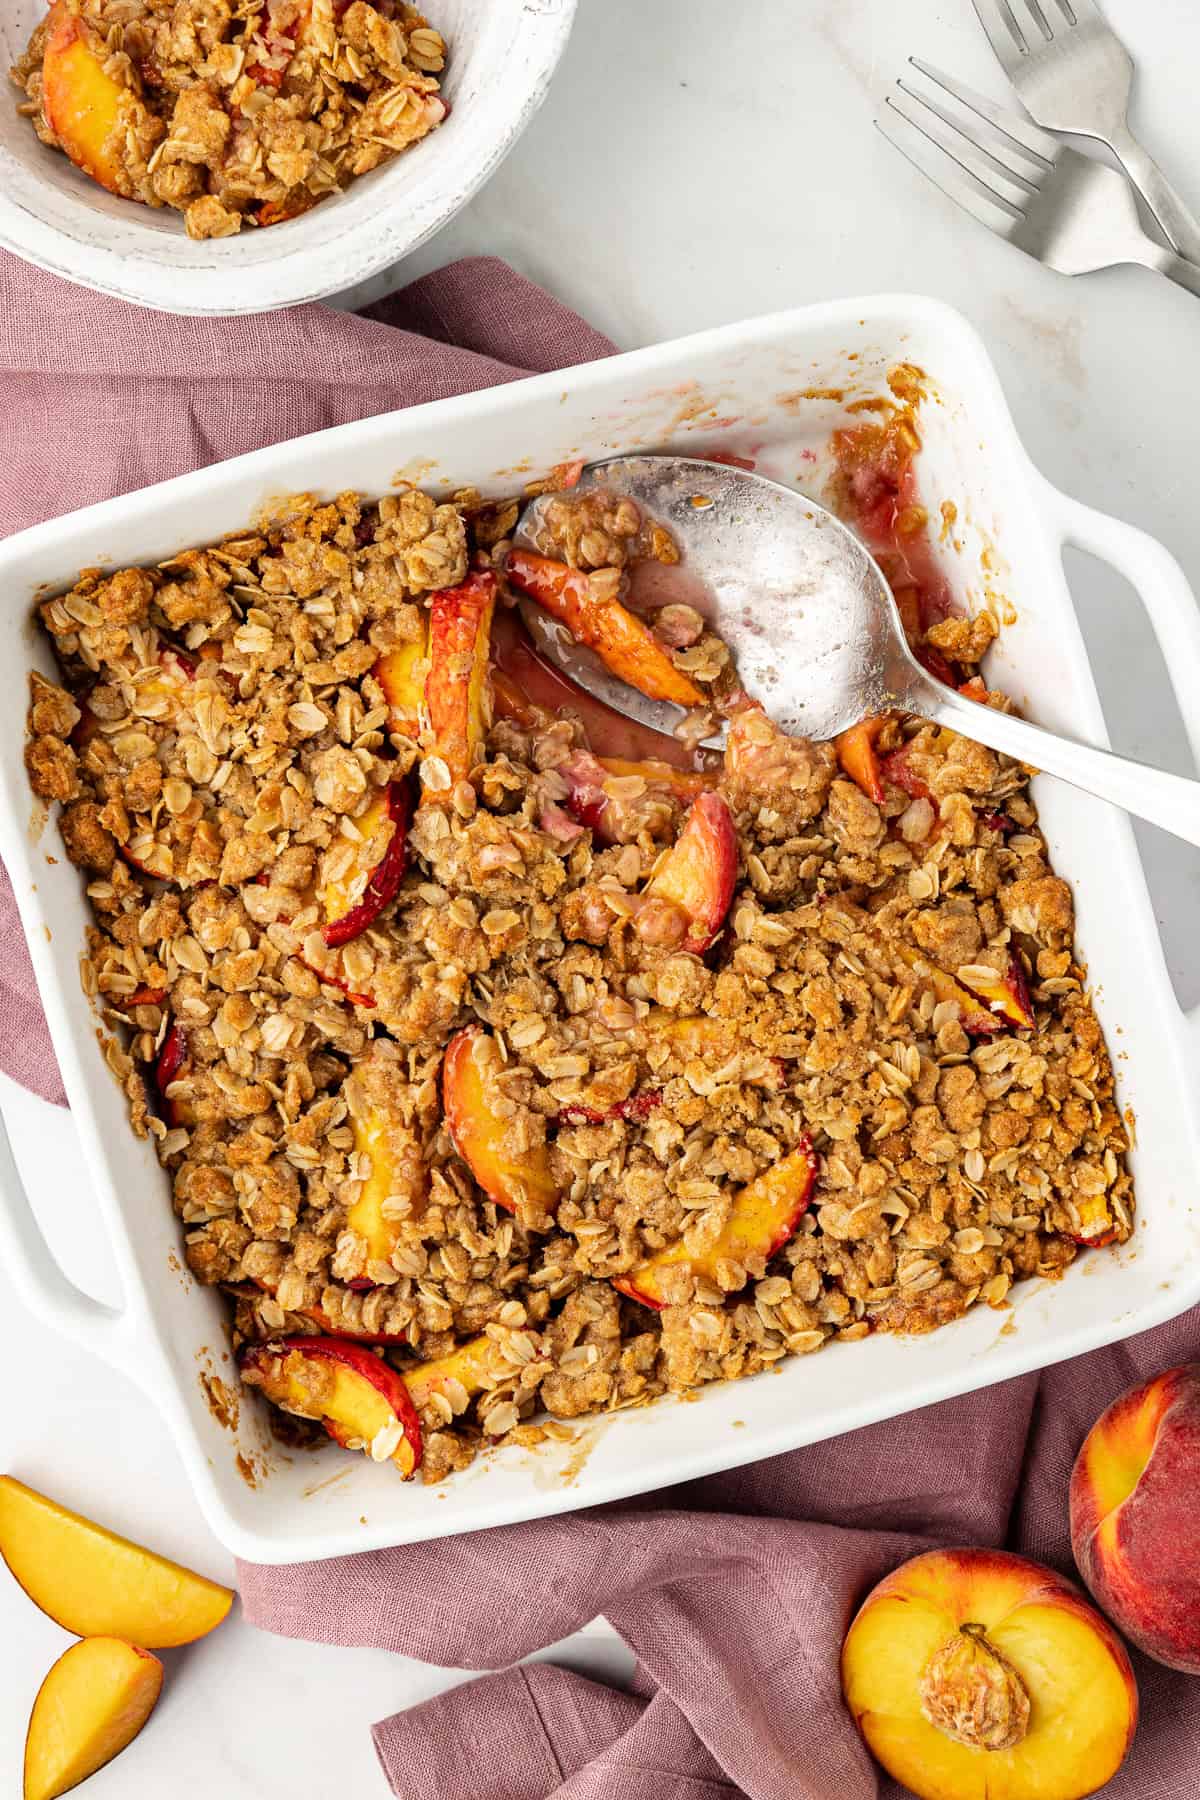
(512, 1062)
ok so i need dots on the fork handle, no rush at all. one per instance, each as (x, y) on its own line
(1175, 218)
(1166, 800)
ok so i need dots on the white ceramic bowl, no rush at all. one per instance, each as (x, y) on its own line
(502, 55)
(774, 389)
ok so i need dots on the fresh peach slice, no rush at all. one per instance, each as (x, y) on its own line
(529, 691)
(976, 1675)
(361, 1400)
(699, 872)
(456, 687)
(92, 1704)
(857, 758)
(83, 105)
(401, 675)
(346, 916)
(90, 1581)
(1135, 1529)
(519, 1181)
(1007, 996)
(763, 1217)
(397, 1164)
(621, 641)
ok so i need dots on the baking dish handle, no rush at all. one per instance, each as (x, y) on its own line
(40, 1282)
(1164, 591)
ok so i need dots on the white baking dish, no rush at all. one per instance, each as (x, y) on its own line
(741, 387)
(502, 55)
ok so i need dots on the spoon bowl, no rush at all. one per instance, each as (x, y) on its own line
(812, 625)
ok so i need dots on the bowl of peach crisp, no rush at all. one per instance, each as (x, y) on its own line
(198, 158)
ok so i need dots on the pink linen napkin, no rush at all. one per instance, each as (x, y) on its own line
(733, 1592)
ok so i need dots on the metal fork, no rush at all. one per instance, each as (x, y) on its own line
(1072, 73)
(1073, 214)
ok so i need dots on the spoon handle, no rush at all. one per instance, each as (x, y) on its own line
(1170, 801)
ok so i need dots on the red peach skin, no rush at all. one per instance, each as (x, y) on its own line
(857, 758)
(763, 1217)
(479, 1136)
(1007, 996)
(384, 881)
(456, 697)
(354, 1394)
(1135, 1522)
(699, 872)
(621, 641)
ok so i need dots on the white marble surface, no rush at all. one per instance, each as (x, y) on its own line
(695, 163)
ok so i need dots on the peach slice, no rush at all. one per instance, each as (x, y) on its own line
(897, 768)
(590, 801)
(1097, 1226)
(699, 872)
(385, 823)
(94, 1701)
(621, 641)
(456, 687)
(515, 1180)
(1135, 1529)
(361, 1401)
(857, 758)
(467, 1365)
(528, 690)
(636, 1106)
(90, 1581)
(173, 1064)
(401, 675)
(82, 104)
(973, 1019)
(397, 1164)
(976, 1675)
(1007, 995)
(763, 1217)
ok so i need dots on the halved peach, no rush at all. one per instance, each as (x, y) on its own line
(621, 641)
(92, 1704)
(1007, 996)
(764, 1216)
(528, 690)
(518, 1180)
(857, 758)
(456, 687)
(699, 872)
(83, 105)
(384, 852)
(361, 1400)
(976, 1675)
(91, 1582)
(397, 1163)
(401, 675)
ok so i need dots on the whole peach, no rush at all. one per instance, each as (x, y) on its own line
(1135, 1516)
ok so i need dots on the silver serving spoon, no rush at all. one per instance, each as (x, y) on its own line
(813, 627)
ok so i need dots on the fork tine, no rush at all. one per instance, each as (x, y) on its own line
(1042, 32)
(1016, 189)
(939, 165)
(1003, 33)
(1019, 131)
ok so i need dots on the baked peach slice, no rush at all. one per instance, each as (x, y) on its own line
(530, 691)
(1135, 1529)
(976, 1675)
(401, 675)
(620, 639)
(456, 687)
(94, 1701)
(857, 757)
(91, 1582)
(84, 106)
(466, 1368)
(173, 1064)
(974, 1019)
(763, 1217)
(397, 1163)
(517, 1180)
(1007, 996)
(699, 872)
(381, 856)
(360, 1400)
(594, 804)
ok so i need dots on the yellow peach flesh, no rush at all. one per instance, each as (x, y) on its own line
(82, 104)
(92, 1704)
(93, 1582)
